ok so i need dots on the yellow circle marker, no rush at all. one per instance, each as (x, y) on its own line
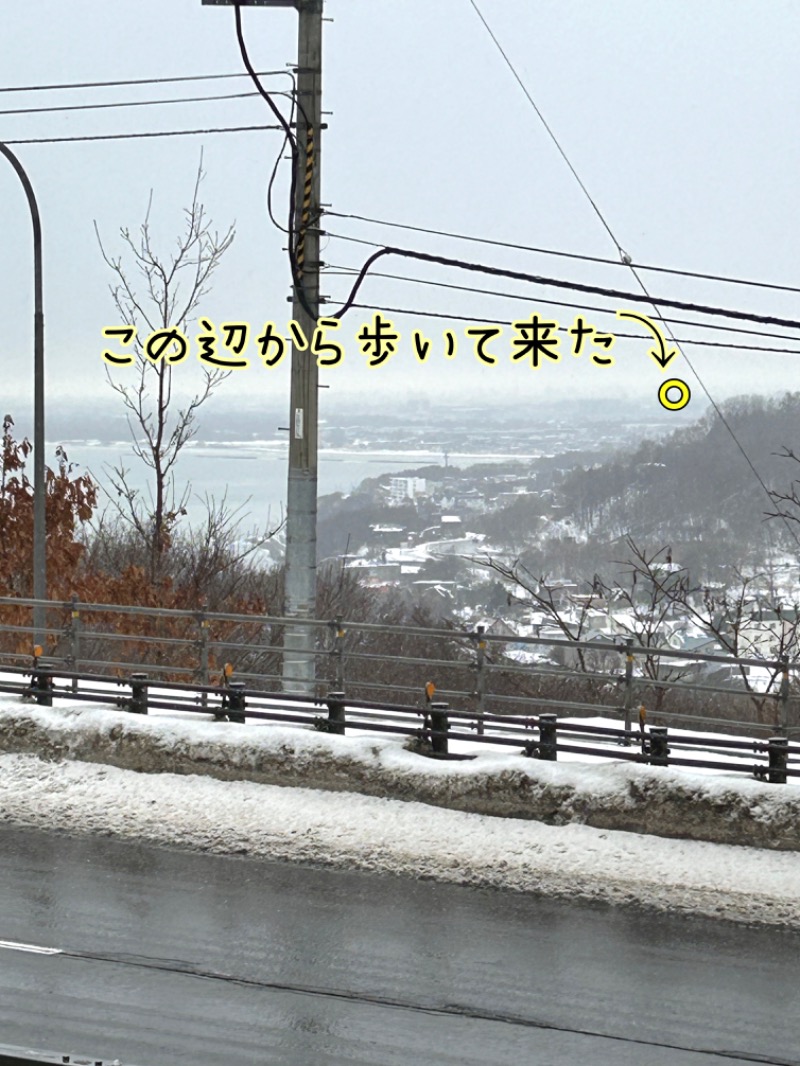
(674, 385)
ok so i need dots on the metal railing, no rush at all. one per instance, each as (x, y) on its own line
(430, 730)
(387, 663)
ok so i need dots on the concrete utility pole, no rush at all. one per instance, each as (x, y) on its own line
(299, 666)
(301, 498)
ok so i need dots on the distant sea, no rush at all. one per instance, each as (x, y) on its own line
(254, 474)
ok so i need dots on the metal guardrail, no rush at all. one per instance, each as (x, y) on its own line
(432, 728)
(468, 666)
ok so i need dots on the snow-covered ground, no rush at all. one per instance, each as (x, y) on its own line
(67, 785)
(407, 838)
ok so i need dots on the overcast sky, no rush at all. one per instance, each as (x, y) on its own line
(679, 116)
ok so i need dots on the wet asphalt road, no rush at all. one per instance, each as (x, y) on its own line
(171, 957)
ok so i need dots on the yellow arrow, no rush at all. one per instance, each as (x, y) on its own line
(660, 354)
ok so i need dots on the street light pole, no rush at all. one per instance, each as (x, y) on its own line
(39, 528)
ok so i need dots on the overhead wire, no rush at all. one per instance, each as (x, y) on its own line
(490, 321)
(582, 257)
(333, 270)
(51, 109)
(131, 81)
(560, 283)
(627, 260)
(136, 136)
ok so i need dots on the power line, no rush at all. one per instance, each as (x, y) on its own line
(428, 282)
(483, 320)
(627, 259)
(565, 255)
(136, 136)
(127, 103)
(560, 283)
(134, 81)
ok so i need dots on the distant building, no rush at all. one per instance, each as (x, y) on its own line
(405, 488)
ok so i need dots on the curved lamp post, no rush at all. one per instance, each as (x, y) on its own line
(39, 533)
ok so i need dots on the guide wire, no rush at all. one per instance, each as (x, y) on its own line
(627, 260)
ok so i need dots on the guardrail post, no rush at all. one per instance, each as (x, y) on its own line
(336, 713)
(548, 738)
(628, 696)
(338, 651)
(42, 689)
(778, 759)
(74, 640)
(202, 653)
(236, 702)
(440, 723)
(138, 701)
(783, 697)
(659, 747)
(480, 677)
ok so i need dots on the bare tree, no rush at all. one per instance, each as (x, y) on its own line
(743, 619)
(154, 291)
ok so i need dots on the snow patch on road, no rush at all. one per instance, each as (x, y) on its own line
(407, 838)
(721, 808)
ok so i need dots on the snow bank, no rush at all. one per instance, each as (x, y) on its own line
(412, 839)
(724, 809)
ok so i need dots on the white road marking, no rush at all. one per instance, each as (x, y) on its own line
(35, 949)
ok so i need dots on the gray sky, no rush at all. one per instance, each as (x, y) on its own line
(679, 117)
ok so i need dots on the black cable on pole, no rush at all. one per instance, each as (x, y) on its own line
(293, 234)
(428, 282)
(560, 283)
(566, 255)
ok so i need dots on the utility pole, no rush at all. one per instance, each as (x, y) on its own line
(301, 498)
(299, 665)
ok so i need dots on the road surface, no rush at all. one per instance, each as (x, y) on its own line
(169, 958)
